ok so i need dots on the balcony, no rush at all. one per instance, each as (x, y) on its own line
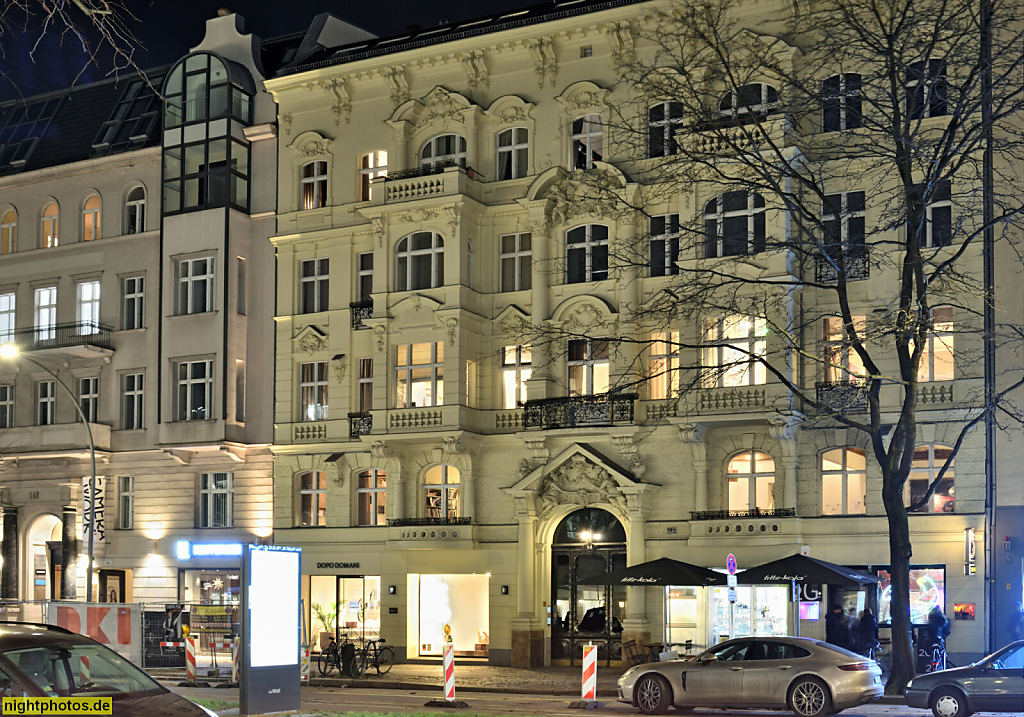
(361, 310)
(755, 513)
(841, 396)
(852, 262)
(20, 441)
(732, 399)
(606, 409)
(728, 135)
(359, 424)
(423, 182)
(77, 338)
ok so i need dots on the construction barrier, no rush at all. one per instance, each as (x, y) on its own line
(589, 673)
(190, 659)
(235, 649)
(304, 675)
(449, 672)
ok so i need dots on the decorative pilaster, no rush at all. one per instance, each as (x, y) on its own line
(783, 430)
(9, 574)
(527, 632)
(694, 435)
(396, 504)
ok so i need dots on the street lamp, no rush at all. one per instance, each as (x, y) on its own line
(10, 351)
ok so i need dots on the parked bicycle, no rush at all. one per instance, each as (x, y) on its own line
(940, 660)
(344, 657)
(377, 655)
(879, 652)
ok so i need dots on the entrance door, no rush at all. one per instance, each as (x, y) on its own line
(588, 542)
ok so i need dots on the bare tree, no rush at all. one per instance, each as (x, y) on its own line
(754, 132)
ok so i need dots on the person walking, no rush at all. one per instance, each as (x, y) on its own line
(867, 631)
(837, 628)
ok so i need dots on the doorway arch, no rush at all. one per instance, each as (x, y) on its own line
(587, 542)
(43, 558)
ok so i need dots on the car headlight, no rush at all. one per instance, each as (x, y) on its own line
(628, 672)
(910, 684)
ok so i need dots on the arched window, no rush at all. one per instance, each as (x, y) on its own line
(586, 142)
(734, 225)
(513, 149)
(586, 253)
(371, 165)
(135, 211)
(750, 480)
(91, 218)
(9, 232)
(441, 493)
(843, 481)
(314, 184)
(313, 498)
(928, 459)
(446, 150)
(371, 497)
(202, 87)
(48, 237)
(419, 262)
(663, 120)
(840, 102)
(749, 101)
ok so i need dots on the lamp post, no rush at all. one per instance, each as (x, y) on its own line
(10, 351)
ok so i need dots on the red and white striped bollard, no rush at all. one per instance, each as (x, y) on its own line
(190, 659)
(589, 673)
(449, 671)
(235, 649)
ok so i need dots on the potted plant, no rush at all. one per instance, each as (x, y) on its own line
(327, 615)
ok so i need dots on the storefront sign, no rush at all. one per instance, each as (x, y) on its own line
(337, 566)
(970, 552)
(92, 509)
(809, 593)
(186, 550)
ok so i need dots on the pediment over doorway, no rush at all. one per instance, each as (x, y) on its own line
(577, 477)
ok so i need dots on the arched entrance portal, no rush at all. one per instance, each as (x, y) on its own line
(587, 542)
(43, 558)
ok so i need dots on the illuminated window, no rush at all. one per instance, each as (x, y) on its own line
(8, 232)
(50, 225)
(419, 262)
(313, 391)
(841, 102)
(135, 211)
(91, 218)
(586, 143)
(371, 497)
(88, 307)
(216, 500)
(371, 166)
(663, 121)
(312, 498)
(735, 347)
(664, 365)
(441, 492)
(842, 363)
(516, 252)
(586, 253)
(314, 185)
(751, 482)
(843, 481)
(587, 367)
(446, 150)
(928, 460)
(937, 357)
(46, 312)
(513, 149)
(734, 225)
(420, 375)
(516, 370)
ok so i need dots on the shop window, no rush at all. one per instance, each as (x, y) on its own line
(663, 368)
(927, 589)
(516, 369)
(748, 102)
(750, 482)
(419, 262)
(586, 253)
(937, 357)
(663, 121)
(216, 500)
(735, 347)
(586, 142)
(313, 498)
(371, 166)
(587, 367)
(841, 102)
(8, 232)
(664, 245)
(135, 211)
(926, 89)
(371, 497)
(842, 362)
(928, 460)
(50, 219)
(314, 185)
(734, 225)
(91, 218)
(314, 285)
(843, 482)
(513, 149)
(465, 598)
(446, 150)
(441, 493)
(419, 372)
(313, 391)
(515, 260)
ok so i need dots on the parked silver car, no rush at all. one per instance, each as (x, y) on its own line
(807, 676)
(993, 684)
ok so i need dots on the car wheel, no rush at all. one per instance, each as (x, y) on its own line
(947, 702)
(809, 697)
(652, 695)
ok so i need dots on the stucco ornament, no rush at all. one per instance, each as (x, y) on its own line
(378, 331)
(341, 103)
(286, 123)
(398, 86)
(476, 70)
(545, 64)
(620, 43)
(340, 369)
(310, 339)
(580, 482)
(333, 474)
(380, 228)
(452, 326)
(511, 115)
(439, 105)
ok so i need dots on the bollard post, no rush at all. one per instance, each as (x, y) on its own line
(588, 698)
(190, 659)
(448, 650)
(234, 659)
(304, 673)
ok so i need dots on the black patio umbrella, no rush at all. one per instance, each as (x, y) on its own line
(663, 571)
(803, 569)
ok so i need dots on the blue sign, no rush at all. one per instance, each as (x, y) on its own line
(186, 550)
(730, 564)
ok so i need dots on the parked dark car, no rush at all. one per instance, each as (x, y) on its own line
(993, 684)
(47, 661)
(593, 621)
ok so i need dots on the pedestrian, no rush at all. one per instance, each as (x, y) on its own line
(1015, 628)
(854, 623)
(937, 629)
(867, 631)
(837, 628)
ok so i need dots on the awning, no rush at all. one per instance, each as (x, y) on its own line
(803, 569)
(663, 571)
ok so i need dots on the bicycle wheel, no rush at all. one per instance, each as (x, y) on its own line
(385, 659)
(326, 662)
(357, 667)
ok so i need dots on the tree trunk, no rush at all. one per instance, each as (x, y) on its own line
(903, 664)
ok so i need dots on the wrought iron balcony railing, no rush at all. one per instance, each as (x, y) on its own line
(399, 522)
(359, 424)
(852, 262)
(603, 409)
(842, 396)
(361, 310)
(754, 513)
(56, 336)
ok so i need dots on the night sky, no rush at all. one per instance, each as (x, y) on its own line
(166, 29)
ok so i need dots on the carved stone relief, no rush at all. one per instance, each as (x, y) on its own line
(341, 103)
(545, 64)
(620, 42)
(579, 481)
(439, 105)
(378, 331)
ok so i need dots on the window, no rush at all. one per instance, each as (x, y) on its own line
(314, 185)
(937, 358)
(88, 307)
(420, 262)
(588, 367)
(586, 255)
(446, 150)
(842, 363)
(664, 236)
(125, 502)
(924, 468)
(843, 481)
(313, 391)
(843, 219)
(239, 391)
(663, 120)
(515, 372)
(364, 276)
(926, 89)
(515, 262)
(513, 148)
(131, 401)
(7, 317)
(8, 232)
(134, 120)
(89, 397)
(749, 102)
(313, 498)
(734, 224)
(735, 347)
(314, 285)
(586, 145)
(441, 492)
(195, 390)
(216, 500)
(132, 302)
(135, 211)
(46, 313)
(195, 285)
(371, 166)
(45, 398)
(206, 174)
(6, 405)
(938, 214)
(420, 379)
(364, 390)
(91, 218)
(664, 366)
(48, 237)
(371, 497)
(751, 481)
(840, 102)
(241, 289)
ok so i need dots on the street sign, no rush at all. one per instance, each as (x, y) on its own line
(732, 594)
(730, 580)
(730, 564)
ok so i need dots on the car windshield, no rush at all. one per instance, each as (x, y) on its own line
(74, 669)
(1009, 658)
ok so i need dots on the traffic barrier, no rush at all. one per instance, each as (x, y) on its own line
(190, 659)
(449, 672)
(304, 674)
(235, 649)
(83, 672)
(589, 673)
(172, 644)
